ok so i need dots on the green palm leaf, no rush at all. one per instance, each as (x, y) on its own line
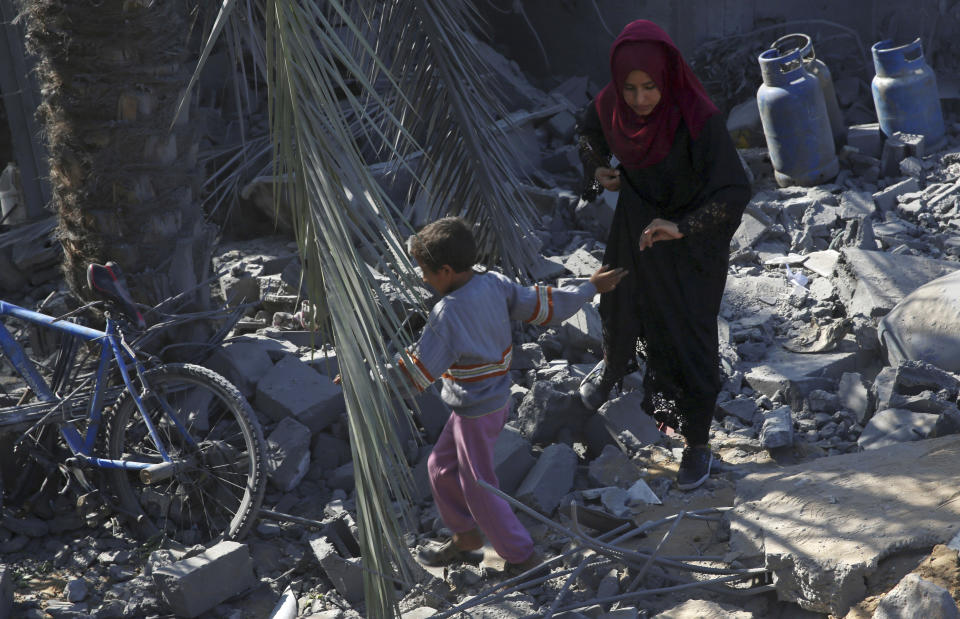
(337, 102)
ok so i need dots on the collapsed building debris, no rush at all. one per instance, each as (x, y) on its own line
(824, 363)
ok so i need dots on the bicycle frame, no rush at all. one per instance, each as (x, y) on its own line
(112, 348)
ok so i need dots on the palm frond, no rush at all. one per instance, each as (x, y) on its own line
(458, 122)
(339, 217)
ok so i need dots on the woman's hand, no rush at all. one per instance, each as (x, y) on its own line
(606, 279)
(609, 178)
(659, 230)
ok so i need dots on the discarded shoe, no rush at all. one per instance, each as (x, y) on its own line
(447, 553)
(694, 467)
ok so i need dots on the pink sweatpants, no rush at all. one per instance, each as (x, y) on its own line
(463, 454)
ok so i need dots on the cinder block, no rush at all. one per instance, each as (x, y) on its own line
(195, 585)
(866, 138)
(550, 478)
(288, 454)
(345, 574)
(294, 389)
(512, 459)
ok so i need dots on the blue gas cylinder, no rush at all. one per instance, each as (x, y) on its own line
(795, 121)
(905, 91)
(819, 70)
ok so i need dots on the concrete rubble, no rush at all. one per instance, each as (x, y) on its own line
(836, 449)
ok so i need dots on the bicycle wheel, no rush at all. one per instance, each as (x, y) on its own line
(218, 483)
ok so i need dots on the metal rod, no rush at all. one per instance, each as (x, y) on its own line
(656, 551)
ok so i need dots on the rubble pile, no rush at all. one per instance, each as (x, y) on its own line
(813, 272)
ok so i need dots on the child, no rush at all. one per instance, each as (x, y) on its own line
(467, 343)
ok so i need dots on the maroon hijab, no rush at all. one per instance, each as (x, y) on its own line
(640, 142)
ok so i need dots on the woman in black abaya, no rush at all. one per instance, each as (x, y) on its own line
(682, 193)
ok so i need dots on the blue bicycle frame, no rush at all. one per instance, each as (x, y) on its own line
(112, 347)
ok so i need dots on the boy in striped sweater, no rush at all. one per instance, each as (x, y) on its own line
(467, 343)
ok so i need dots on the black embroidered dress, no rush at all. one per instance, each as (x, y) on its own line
(667, 306)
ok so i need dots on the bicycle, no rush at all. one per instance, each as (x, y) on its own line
(181, 450)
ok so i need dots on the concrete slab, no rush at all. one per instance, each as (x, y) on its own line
(884, 279)
(822, 527)
(797, 374)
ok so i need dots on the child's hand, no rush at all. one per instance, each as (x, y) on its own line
(606, 279)
(337, 380)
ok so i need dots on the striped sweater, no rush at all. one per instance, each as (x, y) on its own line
(467, 341)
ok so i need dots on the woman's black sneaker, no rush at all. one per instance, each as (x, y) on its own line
(596, 386)
(694, 467)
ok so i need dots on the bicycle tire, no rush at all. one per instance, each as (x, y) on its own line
(217, 492)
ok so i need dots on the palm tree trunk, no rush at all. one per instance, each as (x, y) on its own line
(125, 184)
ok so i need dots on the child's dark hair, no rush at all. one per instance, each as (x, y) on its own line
(445, 241)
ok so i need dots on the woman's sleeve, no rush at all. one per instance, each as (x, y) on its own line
(594, 152)
(727, 189)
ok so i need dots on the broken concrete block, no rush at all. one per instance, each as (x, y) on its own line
(703, 609)
(561, 126)
(822, 289)
(925, 325)
(288, 454)
(916, 144)
(547, 268)
(881, 280)
(293, 389)
(544, 200)
(857, 205)
(528, 356)
(915, 377)
(342, 477)
(915, 597)
(884, 388)
(327, 452)
(893, 153)
(911, 166)
(742, 408)
(584, 329)
(820, 220)
(550, 478)
(625, 416)
(581, 263)
(597, 216)
(545, 410)
(866, 138)
(575, 90)
(346, 574)
(823, 401)
(823, 263)
(896, 425)
(612, 468)
(777, 429)
(824, 563)
(241, 363)
(195, 585)
(797, 374)
(323, 360)
(853, 396)
(512, 458)
(564, 161)
(751, 230)
(886, 199)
